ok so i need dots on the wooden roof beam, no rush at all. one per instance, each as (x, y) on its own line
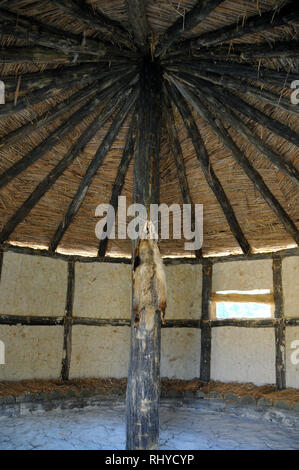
(208, 171)
(138, 21)
(178, 157)
(240, 86)
(94, 166)
(215, 98)
(111, 30)
(184, 23)
(120, 178)
(239, 156)
(254, 24)
(62, 165)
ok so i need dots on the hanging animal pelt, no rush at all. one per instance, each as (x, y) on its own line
(149, 283)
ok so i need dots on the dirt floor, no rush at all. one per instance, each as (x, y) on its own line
(108, 386)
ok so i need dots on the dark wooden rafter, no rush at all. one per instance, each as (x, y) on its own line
(280, 342)
(177, 153)
(71, 74)
(61, 108)
(43, 55)
(101, 92)
(144, 368)
(277, 78)
(215, 98)
(192, 18)
(92, 169)
(64, 163)
(279, 50)
(68, 323)
(239, 86)
(138, 21)
(56, 85)
(208, 171)
(206, 333)
(256, 115)
(254, 24)
(110, 30)
(218, 128)
(120, 178)
(36, 33)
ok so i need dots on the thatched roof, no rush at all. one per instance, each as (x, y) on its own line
(64, 63)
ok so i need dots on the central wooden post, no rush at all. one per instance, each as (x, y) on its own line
(143, 389)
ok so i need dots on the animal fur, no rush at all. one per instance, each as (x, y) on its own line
(149, 283)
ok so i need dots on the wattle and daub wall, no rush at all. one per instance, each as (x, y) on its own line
(37, 286)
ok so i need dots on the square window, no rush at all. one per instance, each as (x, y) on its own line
(245, 305)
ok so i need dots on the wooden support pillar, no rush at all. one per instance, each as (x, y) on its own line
(206, 331)
(68, 322)
(143, 389)
(1, 263)
(280, 347)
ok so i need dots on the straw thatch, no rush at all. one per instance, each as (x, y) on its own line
(68, 64)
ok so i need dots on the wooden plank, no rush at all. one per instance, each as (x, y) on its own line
(184, 23)
(138, 21)
(264, 323)
(206, 333)
(143, 389)
(94, 165)
(280, 340)
(239, 156)
(68, 321)
(208, 171)
(234, 297)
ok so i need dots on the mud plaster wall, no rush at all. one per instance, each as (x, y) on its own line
(37, 286)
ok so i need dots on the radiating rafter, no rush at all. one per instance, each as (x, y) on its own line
(178, 157)
(42, 55)
(62, 165)
(188, 21)
(208, 171)
(239, 156)
(240, 86)
(93, 168)
(120, 178)
(215, 98)
(254, 24)
(138, 21)
(111, 30)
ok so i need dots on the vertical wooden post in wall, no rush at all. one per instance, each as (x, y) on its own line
(280, 347)
(143, 389)
(68, 320)
(206, 331)
(1, 262)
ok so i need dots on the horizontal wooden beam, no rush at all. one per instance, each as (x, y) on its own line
(30, 320)
(252, 25)
(235, 297)
(208, 171)
(265, 323)
(239, 156)
(186, 22)
(239, 86)
(94, 166)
